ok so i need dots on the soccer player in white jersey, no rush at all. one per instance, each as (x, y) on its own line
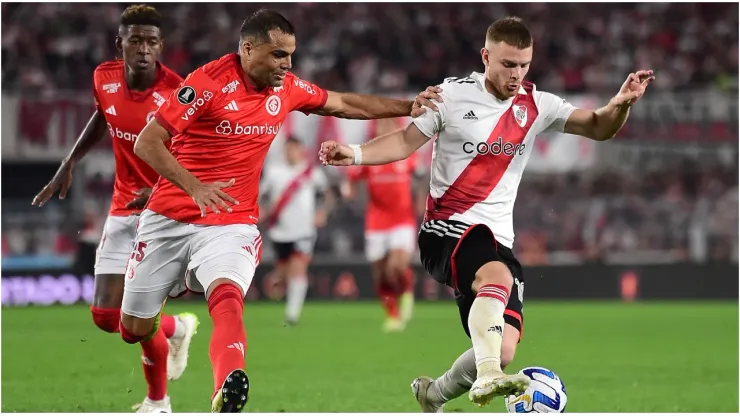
(291, 190)
(485, 129)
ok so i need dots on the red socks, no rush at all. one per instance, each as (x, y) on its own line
(389, 298)
(155, 365)
(154, 361)
(229, 338)
(167, 323)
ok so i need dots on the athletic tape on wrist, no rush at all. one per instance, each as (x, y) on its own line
(357, 154)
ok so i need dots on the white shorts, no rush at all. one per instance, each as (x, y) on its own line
(170, 257)
(379, 243)
(115, 245)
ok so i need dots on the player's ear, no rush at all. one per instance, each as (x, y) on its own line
(246, 47)
(484, 56)
(119, 45)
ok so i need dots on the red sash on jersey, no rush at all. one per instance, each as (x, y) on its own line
(287, 195)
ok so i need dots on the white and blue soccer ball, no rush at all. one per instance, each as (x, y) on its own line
(545, 394)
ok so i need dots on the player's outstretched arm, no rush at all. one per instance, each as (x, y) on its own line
(370, 107)
(150, 148)
(604, 123)
(92, 134)
(388, 148)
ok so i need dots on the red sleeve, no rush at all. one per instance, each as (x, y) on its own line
(194, 98)
(95, 96)
(356, 173)
(305, 96)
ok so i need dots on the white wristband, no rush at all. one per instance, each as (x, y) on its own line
(357, 152)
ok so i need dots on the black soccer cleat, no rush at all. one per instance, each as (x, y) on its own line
(233, 394)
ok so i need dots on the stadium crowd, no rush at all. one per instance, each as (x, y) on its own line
(53, 47)
(392, 47)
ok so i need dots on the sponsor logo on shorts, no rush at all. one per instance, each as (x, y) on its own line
(498, 147)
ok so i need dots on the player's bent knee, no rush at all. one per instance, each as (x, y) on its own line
(493, 273)
(107, 319)
(133, 329)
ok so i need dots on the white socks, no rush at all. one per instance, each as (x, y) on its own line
(456, 381)
(486, 323)
(297, 289)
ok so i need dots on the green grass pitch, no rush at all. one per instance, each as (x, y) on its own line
(648, 357)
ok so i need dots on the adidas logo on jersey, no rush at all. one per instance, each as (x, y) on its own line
(470, 116)
(232, 106)
(111, 110)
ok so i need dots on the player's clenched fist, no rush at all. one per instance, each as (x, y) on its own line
(336, 154)
(210, 195)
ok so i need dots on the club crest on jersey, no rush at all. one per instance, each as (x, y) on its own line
(230, 87)
(520, 115)
(186, 95)
(112, 88)
(273, 105)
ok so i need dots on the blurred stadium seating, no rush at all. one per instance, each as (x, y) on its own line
(665, 191)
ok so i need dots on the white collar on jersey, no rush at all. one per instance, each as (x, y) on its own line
(482, 82)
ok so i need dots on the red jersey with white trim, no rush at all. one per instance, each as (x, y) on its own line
(126, 113)
(222, 128)
(482, 147)
(390, 198)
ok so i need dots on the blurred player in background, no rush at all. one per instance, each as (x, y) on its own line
(390, 229)
(485, 127)
(127, 93)
(291, 191)
(202, 213)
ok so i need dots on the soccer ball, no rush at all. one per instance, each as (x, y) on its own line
(545, 394)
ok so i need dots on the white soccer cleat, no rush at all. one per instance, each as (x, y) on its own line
(154, 406)
(394, 325)
(489, 386)
(419, 387)
(177, 358)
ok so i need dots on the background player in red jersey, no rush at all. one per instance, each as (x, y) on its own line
(222, 121)
(390, 229)
(127, 93)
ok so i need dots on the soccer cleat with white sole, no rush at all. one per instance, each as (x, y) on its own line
(489, 386)
(233, 394)
(177, 358)
(419, 387)
(154, 406)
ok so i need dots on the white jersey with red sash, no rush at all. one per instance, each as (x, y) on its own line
(291, 193)
(481, 149)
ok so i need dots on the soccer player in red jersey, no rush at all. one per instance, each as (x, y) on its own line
(202, 215)
(127, 93)
(390, 229)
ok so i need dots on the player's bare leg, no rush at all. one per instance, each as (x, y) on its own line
(228, 347)
(297, 287)
(492, 285)
(397, 268)
(388, 295)
(433, 394)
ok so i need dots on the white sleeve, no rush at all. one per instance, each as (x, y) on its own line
(554, 109)
(319, 179)
(265, 183)
(432, 122)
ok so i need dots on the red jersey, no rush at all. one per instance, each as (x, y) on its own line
(222, 128)
(390, 201)
(126, 113)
